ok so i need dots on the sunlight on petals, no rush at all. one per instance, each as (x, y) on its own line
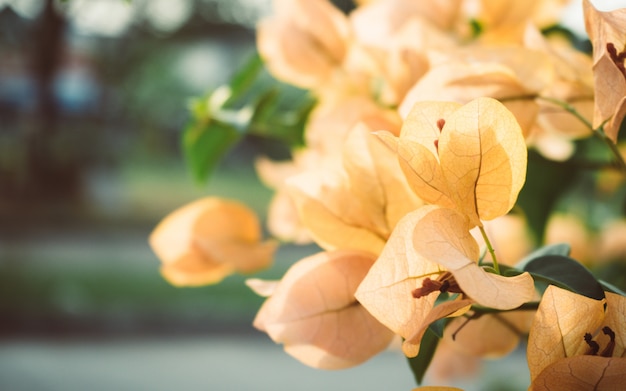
(334, 218)
(561, 321)
(443, 235)
(386, 290)
(605, 29)
(376, 178)
(483, 157)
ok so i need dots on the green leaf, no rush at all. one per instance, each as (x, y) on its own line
(566, 273)
(611, 288)
(204, 144)
(563, 249)
(438, 326)
(419, 364)
(243, 80)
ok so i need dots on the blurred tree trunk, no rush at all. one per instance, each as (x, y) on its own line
(49, 174)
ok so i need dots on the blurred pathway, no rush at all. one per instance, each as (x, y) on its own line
(217, 363)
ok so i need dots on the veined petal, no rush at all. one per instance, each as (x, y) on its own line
(483, 158)
(314, 313)
(386, 291)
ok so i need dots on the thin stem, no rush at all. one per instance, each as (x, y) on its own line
(618, 156)
(530, 306)
(569, 108)
(599, 132)
(490, 249)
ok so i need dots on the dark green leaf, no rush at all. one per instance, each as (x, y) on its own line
(438, 326)
(204, 144)
(611, 288)
(420, 363)
(551, 249)
(241, 82)
(266, 106)
(566, 273)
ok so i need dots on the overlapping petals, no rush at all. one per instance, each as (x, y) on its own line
(314, 314)
(209, 239)
(426, 244)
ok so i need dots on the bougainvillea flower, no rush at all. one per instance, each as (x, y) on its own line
(355, 206)
(514, 75)
(490, 335)
(304, 42)
(328, 126)
(209, 239)
(573, 83)
(375, 23)
(577, 344)
(431, 251)
(314, 314)
(505, 20)
(608, 36)
(470, 157)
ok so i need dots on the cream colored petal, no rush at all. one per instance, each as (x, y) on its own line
(606, 28)
(582, 373)
(263, 288)
(616, 320)
(421, 169)
(204, 241)
(493, 290)
(442, 235)
(331, 213)
(244, 257)
(376, 179)
(489, 336)
(386, 291)
(559, 327)
(411, 345)
(195, 269)
(483, 157)
(314, 313)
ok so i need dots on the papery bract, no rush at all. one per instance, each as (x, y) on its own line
(357, 205)
(512, 74)
(582, 373)
(490, 335)
(424, 244)
(574, 316)
(443, 235)
(608, 36)
(304, 42)
(313, 312)
(478, 164)
(330, 123)
(386, 290)
(209, 239)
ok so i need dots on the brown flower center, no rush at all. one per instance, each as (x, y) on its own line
(440, 123)
(444, 283)
(594, 347)
(618, 58)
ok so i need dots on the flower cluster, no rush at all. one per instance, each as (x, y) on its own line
(415, 153)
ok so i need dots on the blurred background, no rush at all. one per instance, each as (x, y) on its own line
(93, 100)
(94, 96)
